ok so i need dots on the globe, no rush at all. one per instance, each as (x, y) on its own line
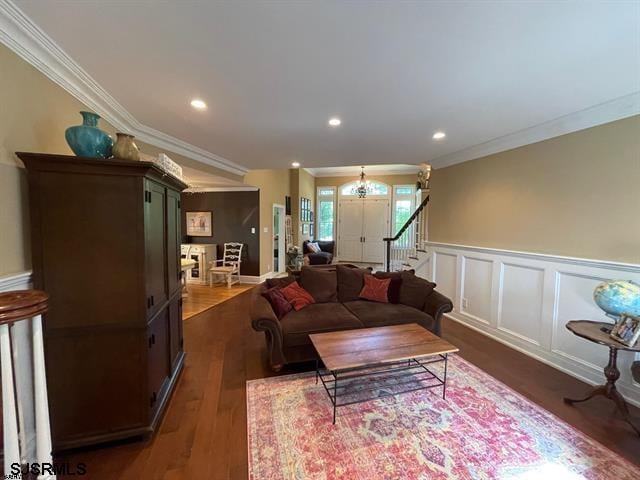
(617, 297)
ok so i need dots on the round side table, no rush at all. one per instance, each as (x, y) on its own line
(592, 331)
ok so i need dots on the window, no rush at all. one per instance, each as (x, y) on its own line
(375, 189)
(403, 206)
(401, 214)
(326, 213)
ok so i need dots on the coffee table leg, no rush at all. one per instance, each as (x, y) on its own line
(444, 383)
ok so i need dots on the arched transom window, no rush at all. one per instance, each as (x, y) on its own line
(374, 189)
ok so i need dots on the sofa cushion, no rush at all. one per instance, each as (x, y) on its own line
(350, 282)
(297, 296)
(320, 258)
(380, 314)
(394, 287)
(375, 289)
(316, 318)
(414, 290)
(322, 284)
(280, 282)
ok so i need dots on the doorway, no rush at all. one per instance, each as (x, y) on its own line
(363, 223)
(279, 254)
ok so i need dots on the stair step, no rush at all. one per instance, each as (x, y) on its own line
(413, 258)
(421, 250)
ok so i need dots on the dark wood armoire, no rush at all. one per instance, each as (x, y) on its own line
(105, 238)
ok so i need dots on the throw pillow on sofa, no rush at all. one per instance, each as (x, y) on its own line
(278, 302)
(414, 290)
(314, 247)
(375, 289)
(297, 296)
(350, 282)
(321, 283)
(394, 287)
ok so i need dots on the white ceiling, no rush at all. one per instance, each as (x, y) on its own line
(274, 72)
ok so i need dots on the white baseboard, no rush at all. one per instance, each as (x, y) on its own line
(256, 279)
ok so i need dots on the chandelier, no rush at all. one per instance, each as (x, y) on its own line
(362, 187)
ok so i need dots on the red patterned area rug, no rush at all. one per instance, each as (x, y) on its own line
(483, 430)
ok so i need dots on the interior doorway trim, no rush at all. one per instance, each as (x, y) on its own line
(277, 238)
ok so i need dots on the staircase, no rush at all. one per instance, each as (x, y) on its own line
(404, 249)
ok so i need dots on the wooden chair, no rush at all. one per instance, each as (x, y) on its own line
(229, 265)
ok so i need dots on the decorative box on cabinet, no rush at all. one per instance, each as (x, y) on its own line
(106, 247)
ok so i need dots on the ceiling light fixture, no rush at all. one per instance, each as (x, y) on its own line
(439, 135)
(335, 121)
(363, 187)
(198, 104)
(295, 164)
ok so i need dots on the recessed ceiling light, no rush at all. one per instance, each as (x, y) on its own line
(439, 135)
(295, 164)
(198, 104)
(335, 121)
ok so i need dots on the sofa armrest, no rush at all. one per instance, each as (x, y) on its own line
(436, 305)
(263, 319)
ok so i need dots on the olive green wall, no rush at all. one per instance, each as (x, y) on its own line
(575, 195)
(34, 113)
(274, 186)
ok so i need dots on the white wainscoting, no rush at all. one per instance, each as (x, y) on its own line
(524, 300)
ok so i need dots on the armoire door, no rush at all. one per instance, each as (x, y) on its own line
(375, 227)
(174, 237)
(350, 231)
(155, 245)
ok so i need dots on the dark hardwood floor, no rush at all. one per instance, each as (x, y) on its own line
(204, 435)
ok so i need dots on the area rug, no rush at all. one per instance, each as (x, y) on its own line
(483, 430)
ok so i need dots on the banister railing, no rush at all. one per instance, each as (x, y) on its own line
(17, 307)
(398, 248)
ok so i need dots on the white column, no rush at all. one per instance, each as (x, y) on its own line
(43, 428)
(9, 417)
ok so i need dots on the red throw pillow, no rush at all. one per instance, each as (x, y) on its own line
(278, 302)
(375, 289)
(297, 296)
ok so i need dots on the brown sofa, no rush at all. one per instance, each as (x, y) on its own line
(337, 307)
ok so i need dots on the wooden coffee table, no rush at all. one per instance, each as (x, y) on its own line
(370, 363)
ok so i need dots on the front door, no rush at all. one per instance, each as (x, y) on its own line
(375, 227)
(350, 230)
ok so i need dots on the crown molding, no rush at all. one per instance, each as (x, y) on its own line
(371, 170)
(246, 188)
(28, 41)
(617, 109)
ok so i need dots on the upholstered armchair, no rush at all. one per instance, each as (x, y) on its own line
(324, 257)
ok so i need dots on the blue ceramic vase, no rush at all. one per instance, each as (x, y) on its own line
(87, 140)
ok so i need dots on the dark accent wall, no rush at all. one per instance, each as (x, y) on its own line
(234, 215)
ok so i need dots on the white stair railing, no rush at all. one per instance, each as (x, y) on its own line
(405, 244)
(16, 307)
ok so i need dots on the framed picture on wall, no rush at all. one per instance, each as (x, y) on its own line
(305, 229)
(199, 224)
